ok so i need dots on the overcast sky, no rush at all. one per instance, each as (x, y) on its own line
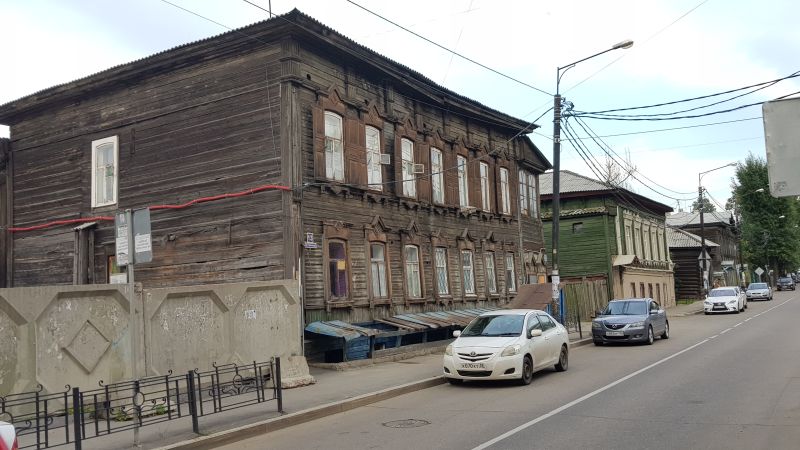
(683, 49)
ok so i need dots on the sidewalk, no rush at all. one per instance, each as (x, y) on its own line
(335, 391)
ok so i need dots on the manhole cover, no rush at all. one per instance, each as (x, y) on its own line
(406, 423)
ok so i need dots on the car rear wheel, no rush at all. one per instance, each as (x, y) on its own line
(563, 360)
(527, 371)
(650, 336)
(665, 334)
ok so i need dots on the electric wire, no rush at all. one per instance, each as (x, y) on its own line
(763, 86)
(448, 50)
(659, 130)
(656, 105)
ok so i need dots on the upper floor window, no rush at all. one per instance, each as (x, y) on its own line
(505, 197)
(105, 171)
(646, 243)
(437, 177)
(485, 186)
(468, 270)
(374, 173)
(463, 196)
(637, 242)
(377, 260)
(409, 181)
(337, 269)
(334, 149)
(628, 240)
(523, 192)
(440, 255)
(511, 276)
(532, 197)
(413, 281)
(491, 274)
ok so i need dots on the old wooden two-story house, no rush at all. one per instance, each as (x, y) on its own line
(719, 227)
(378, 190)
(684, 250)
(611, 236)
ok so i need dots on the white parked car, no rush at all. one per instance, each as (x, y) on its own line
(725, 299)
(8, 437)
(507, 345)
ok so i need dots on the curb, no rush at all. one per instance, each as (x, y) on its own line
(232, 435)
(580, 342)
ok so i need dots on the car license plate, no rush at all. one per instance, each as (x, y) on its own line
(472, 366)
(615, 333)
(719, 307)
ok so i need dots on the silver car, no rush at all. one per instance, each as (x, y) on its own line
(759, 291)
(630, 320)
(725, 299)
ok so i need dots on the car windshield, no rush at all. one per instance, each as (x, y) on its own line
(495, 325)
(757, 286)
(784, 280)
(723, 293)
(633, 308)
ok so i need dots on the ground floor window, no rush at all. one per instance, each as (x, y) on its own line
(337, 269)
(440, 255)
(491, 275)
(511, 276)
(377, 253)
(468, 270)
(413, 283)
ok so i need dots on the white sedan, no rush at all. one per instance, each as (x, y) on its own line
(507, 345)
(724, 299)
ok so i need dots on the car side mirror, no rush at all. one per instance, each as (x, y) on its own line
(534, 333)
(456, 333)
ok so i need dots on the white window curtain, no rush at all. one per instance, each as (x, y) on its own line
(511, 277)
(468, 271)
(105, 170)
(523, 192)
(463, 195)
(491, 275)
(485, 186)
(378, 266)
(374, 173)
(413, 284)
(409, 181)
(505, 196)
(441, 271)
(334, 149)
(437, 177)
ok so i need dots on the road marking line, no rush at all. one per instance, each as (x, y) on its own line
(585, 397)
(712, 337)
(748, 319)
(599, 390)
(725, 330)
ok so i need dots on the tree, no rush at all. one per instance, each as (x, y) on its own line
(768, 224)
(730, 204)
(707, 206)
(616, 174)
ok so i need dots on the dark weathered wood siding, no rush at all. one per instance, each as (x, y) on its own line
(185, 132)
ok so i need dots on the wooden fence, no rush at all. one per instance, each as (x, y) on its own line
(582, 298)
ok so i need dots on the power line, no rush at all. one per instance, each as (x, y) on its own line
(448, 50)
(645, 41)
(702, 97)
(765, 85)
(677, 128)
(605, 146)
(694, 116)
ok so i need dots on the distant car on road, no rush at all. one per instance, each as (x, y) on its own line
(8, 436)
(759, 291)
(785, 283)
(725, 299)
(507, 345)
(630, 320)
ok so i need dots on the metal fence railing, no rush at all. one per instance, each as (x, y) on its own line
(45, 420)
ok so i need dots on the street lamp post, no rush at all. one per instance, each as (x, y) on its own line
(706, 263)
(557, 152)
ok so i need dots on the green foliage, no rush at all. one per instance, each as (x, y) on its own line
(707, 206)
(768, 224)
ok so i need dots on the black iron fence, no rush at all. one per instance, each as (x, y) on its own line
(45, 420)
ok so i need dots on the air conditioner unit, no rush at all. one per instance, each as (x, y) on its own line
(418, 168)
(386, 158)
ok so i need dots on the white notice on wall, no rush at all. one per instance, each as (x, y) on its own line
(142, 243)
(122, 251)
(250, 314)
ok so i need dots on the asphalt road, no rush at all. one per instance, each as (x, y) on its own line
(720, 382)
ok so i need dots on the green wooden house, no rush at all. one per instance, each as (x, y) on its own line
(612, 241)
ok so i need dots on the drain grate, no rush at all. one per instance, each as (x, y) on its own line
(406, 423)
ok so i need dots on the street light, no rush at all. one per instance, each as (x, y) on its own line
(557, 150)
(706, 278)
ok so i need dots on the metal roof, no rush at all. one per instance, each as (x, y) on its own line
(571, 182)
(682, 218)
(407, 322)
(681, 239)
